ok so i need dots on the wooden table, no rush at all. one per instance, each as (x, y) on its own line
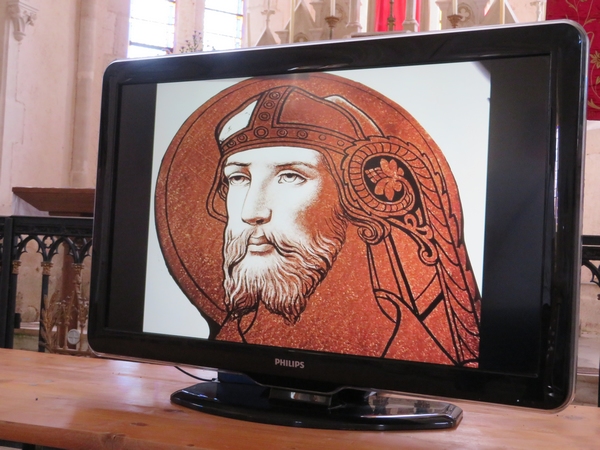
(83, 403)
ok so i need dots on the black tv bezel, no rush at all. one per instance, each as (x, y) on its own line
(549, 388)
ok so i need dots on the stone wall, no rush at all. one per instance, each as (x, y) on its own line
(52, 58)
(589, 301)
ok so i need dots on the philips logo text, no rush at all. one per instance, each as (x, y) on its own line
(289, 363)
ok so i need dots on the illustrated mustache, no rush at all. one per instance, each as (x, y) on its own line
(238, 245)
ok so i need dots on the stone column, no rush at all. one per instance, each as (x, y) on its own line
(84, 131)
(321, 31)
(189, 19)
(102, 37)
(16, 17)
(410, 22)
(20, 14)
(354, 17)
(428, 20)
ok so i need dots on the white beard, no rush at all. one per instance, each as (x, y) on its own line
(284, 279)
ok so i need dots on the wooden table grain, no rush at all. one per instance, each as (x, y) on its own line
(85, 403)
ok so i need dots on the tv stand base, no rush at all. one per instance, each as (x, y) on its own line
(348, 409)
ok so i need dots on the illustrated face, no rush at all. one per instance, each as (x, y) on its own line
(284, 228)
(276, 188)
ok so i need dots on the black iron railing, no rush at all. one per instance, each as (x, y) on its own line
(65, 309)
(590, 256)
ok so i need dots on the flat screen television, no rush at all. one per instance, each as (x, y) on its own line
(324, 223)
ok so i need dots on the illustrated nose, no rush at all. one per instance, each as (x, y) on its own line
(256, 210)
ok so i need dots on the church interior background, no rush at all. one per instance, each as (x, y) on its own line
(53, 55)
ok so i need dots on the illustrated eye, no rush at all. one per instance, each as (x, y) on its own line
(237, 179)
(291, 178)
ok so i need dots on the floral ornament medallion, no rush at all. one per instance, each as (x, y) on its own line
(379, 178)
(386, 177)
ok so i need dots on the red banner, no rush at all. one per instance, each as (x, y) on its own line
(382, 14)
(587, 13)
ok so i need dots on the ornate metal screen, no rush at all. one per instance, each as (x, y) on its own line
(591, 253)
(54, 247)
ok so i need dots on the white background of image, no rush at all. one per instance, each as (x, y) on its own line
(451, 102)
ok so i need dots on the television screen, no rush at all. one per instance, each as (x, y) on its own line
(397, 213)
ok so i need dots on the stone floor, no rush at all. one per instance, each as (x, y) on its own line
(588, 362)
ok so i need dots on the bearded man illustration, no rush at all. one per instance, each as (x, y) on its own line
(312, 212)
